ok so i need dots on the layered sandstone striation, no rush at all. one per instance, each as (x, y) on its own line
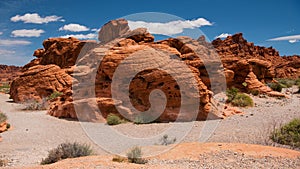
(120, 74)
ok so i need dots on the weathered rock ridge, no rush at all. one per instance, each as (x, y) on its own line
(86, 72)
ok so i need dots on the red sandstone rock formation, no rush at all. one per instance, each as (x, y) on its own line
(246, 66)
(9, 73)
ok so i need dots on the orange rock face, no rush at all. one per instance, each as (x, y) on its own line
(9, 73)
(121, 74)
(39, 82)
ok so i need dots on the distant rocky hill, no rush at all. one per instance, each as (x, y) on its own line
(9, 73)
(244, 65)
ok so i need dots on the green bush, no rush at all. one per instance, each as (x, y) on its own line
(113, 119)
(289, 134)
(5, 87)
(231, 93)
(254, 92)
(54, 95)
(286, 83)
(135, 156)
(3, 117)
(67, 150)
(242, 100)
(276, 86)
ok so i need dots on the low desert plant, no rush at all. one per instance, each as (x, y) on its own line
(36, 105)
(276, 86)
(3, 117)
(165, 140)
(54, 95)
(113, 119)
(8, 126)
(67, 150)
(231, 93)
(5, 87)
(145, 118)
(135, 156)
(254, 92)
(286, 83)
(288, 134)
(242, 100)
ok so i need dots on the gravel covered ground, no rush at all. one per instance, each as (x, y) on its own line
(34, 133)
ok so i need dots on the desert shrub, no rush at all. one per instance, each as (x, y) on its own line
(54, 95)
(35, 105)
(242, 100)
(5, 87)
(286, 83)
(289, 134)
(113, 119)
(231, 93)
(8, 126)
(3, 117)
(276, 86)
(254, 92)
(145, 118)
(135, 156)
(165, 140)
(67, 150)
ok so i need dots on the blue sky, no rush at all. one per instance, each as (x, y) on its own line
(25, 24)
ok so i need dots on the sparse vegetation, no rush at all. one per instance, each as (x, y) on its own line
(289, 134)
(54, 95)
(3, 117)
(67, 150)
(144, 118)
(254, 92)
(276, 86)
(231, 93)
(165, 140)
(113, 119)
(135, 156)
(238, 99)
(4, 88)
(36, 105)
(242, 100)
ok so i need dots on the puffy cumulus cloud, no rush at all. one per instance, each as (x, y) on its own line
(1, 33)
(36, 18)
(223, 35)
(6, 52)
(169, 28)
(82, 36)
(27, 33)
(291, 39)
(8, 42)
(74, 28)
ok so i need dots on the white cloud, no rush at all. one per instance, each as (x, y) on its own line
(36, 18)
(169, 28)
(13, 42)
(223, 35)
(27, 33)
(5, 52)
(1, 33)
(291, 39)
(74, 28)
(95, 30)
(82, 36)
